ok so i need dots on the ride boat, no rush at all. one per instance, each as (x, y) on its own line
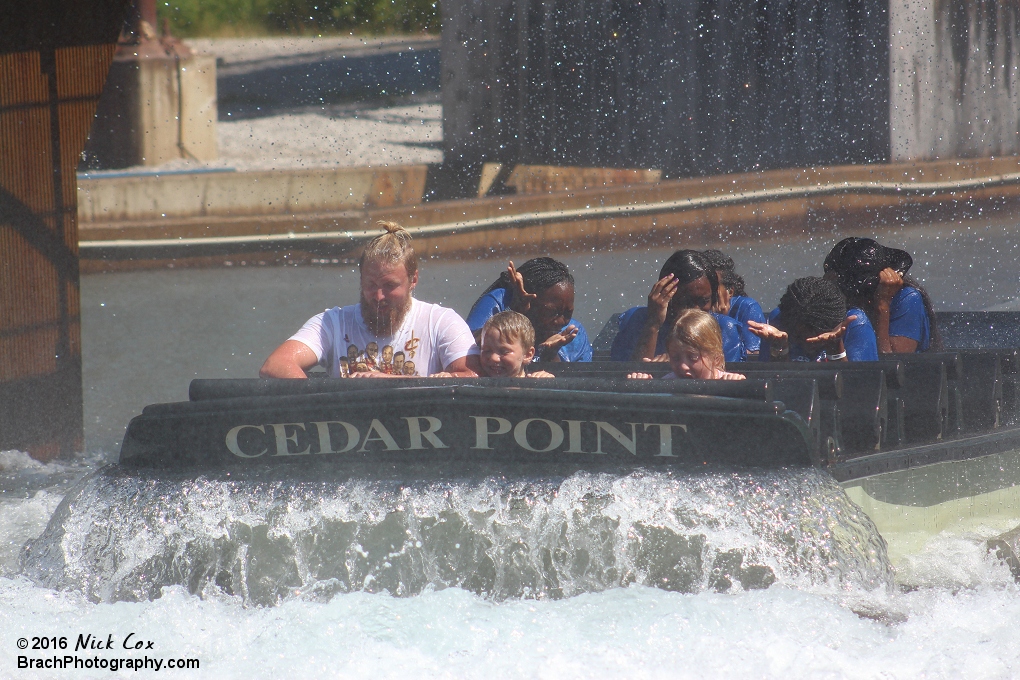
(927, 439)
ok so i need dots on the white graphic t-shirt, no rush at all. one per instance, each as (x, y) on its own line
(430, 338)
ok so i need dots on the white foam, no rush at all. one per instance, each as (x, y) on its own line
(20, 521)
(14, 460)
(624, 632)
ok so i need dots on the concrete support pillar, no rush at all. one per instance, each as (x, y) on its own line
(159, 104)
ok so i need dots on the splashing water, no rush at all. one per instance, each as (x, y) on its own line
(122, 537)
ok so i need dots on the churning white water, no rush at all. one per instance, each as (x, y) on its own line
(634, 575)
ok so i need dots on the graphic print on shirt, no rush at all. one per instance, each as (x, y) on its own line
(373, 360)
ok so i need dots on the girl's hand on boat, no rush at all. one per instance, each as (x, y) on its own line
(726, 375)
(442, 374)
(639, 376)
(540, 374)
(658, 299)
(890, 282)
(658, 358)
(522, 299)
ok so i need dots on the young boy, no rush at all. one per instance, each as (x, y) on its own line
(508, 346)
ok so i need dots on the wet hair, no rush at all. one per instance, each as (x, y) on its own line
(723, 265)
(698, 329)
(512, 326)
(690, 265)
(392, 247)
(719, 260)
(539, 274)
(814, 303)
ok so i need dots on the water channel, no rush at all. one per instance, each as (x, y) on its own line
(820, 598)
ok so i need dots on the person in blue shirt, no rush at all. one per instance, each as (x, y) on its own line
(733, 299)
(874, 278)
(686, 280)
(812, 323)
(541, 289)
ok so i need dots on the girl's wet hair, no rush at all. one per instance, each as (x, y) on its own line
(539, 274)
(719, 260)
(690, 265)
(512, 326)
(723, 264)
(698, 329)
(814, 303)
(391, 247)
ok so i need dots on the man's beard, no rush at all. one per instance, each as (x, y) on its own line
(384, 320)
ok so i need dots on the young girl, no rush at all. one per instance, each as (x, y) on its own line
(686, 281)
(734, 301)
(541, 289)
(812, 323)
(874, 278)
(695, 349)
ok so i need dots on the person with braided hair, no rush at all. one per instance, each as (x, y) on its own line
(686, 281)
(812, 323)
(427, 338)
(734, 301)
(541, 289)
(875, 279)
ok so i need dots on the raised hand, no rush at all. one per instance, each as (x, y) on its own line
(548, 348)
(767, 332)
(658, 299)
(658, 358)
(830, 338)
(890, 282)
(522, 299)
(779, 341)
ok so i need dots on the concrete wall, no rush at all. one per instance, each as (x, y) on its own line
(114, 199)
(954, 78)
(691, 88)
(144, 118)
(718, 86)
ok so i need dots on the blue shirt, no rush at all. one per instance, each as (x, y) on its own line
(860, 341)
(498, 300)
(907, 318)
(633, 320)
(744, 309)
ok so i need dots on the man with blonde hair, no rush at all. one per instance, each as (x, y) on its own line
(431, 338)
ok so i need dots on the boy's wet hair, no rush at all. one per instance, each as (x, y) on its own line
(393, 247)
(512, 326)
(698, 329)
(813, 302)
